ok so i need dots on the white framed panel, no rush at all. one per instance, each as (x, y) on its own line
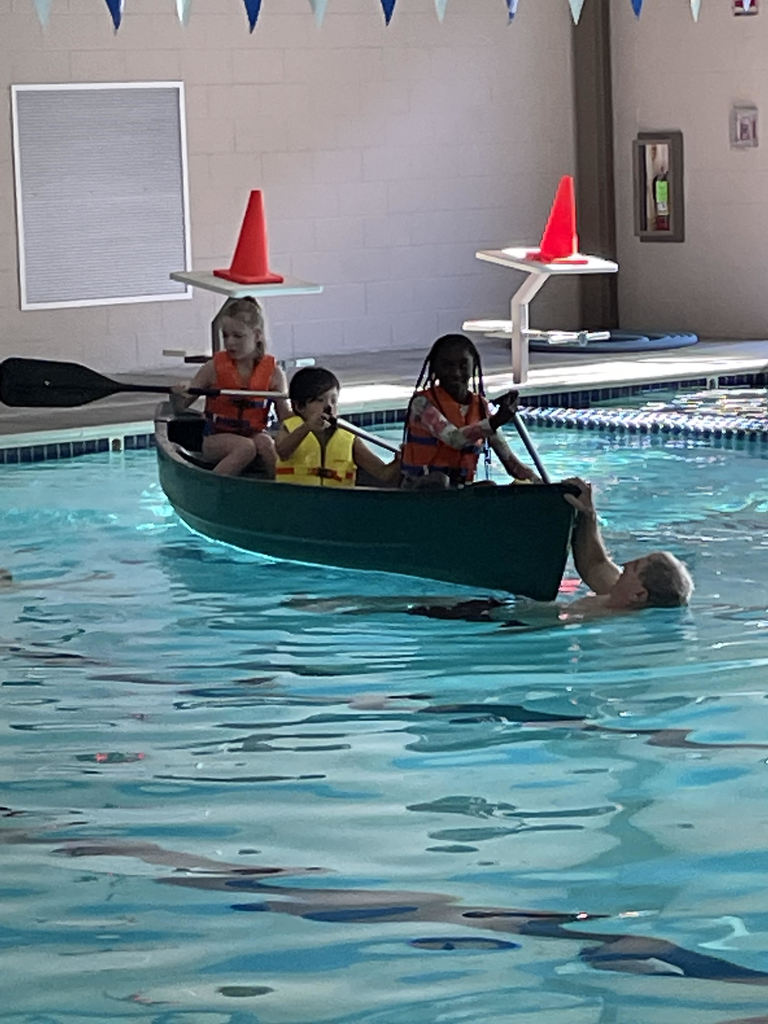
(102, 200)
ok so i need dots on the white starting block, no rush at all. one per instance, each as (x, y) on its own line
(503, 329)
(517, 328)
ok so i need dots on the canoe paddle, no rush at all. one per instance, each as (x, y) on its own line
(46, 383)
(525, 437)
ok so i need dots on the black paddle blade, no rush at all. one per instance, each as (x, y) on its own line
(46, 383)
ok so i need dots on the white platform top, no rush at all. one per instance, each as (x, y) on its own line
(209, 282)
(518, 260)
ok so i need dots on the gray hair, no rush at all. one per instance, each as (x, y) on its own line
(667, 580)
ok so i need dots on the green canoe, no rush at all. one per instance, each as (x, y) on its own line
(514, 538)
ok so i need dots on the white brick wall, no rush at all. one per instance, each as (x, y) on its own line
(387, 156)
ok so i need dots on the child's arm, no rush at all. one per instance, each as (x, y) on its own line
(510, 461)
(280, 384)
(204, 378)
(287, 441)
(455, 437)
(459, 437)
(387, 473)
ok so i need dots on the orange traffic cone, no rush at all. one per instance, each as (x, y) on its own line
(560, 243)
(250, 264)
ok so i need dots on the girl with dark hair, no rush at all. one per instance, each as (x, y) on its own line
(312, 449)
(235, 428)
(448, 423)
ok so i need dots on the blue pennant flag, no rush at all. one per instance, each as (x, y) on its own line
(389, 7)
(637, 6)
(43, 8)
(318, 9)
(253, 7)
(512, 8)
(116, 10)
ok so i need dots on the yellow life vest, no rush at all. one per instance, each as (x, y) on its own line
(310, 465)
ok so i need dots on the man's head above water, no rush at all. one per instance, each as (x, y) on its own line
(657, 580)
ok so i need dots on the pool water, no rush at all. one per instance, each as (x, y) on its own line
(242, 790)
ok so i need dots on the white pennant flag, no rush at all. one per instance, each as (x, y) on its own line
(318, 7)
(182, 10)
(43, 8)
(440, 6)
(695, 8)
(576, 6)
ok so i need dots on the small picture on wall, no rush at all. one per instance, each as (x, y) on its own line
(745, 6)
(743, 127)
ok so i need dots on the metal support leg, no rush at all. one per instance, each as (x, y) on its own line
(520, 324)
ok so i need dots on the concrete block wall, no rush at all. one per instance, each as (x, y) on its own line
(673, 73)
(387, 156)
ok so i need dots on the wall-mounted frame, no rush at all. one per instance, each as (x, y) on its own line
(658, 186)
(743, 127)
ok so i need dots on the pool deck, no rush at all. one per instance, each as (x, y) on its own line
(376, 382)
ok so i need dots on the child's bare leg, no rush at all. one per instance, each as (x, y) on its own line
(232, 452)
(265, 449)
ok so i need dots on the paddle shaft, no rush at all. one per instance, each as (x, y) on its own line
(365, 436)
(526, 439)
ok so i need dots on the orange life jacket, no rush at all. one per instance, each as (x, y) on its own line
(423, 451)
(333, 466)
(230, 415)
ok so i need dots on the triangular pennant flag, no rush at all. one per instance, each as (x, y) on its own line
(116, 10)
(182, 10)
(253, 7)
(637, 6)
(512, 8)
(389, 7)
(747, 4)
(440, 6)
(576, 6)
(43, 8)
(318, 8)
(695, 8)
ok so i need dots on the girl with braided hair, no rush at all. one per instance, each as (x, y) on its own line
(448, 423)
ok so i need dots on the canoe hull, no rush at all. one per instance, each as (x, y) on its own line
(513, 538)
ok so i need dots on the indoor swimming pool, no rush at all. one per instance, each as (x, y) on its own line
(240, 790)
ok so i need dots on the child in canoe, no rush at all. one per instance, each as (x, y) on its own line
(235, 428)
(448, 422)
(312, 449)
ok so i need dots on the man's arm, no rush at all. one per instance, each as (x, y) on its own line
(592, 561)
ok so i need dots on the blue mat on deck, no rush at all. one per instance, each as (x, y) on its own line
(621, 341)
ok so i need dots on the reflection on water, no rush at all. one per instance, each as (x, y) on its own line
(238, 790)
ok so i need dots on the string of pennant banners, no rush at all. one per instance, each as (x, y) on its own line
(253, 9)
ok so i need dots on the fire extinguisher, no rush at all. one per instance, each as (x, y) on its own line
(661, 201)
